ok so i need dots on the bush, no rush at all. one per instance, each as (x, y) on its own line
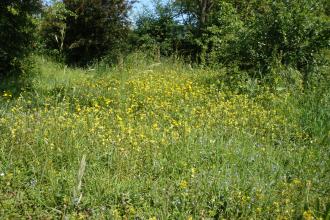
(291, 33)
(260, 35)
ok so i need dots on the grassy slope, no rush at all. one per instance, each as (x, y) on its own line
(161, 142)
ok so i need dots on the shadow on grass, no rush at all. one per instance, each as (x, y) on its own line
(14, 85)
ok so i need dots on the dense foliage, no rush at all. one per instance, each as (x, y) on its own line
(292, 33)
(53, 28)
(83, 31)
(16, 34)
(255, 35)
(158, 30)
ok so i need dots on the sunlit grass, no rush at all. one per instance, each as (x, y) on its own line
(160, 142)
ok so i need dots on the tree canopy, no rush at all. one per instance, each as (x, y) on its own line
(16, 34)
(98, 27)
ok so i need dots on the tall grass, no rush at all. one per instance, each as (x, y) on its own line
(161, 141)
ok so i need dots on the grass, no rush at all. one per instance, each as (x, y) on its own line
(161, 142)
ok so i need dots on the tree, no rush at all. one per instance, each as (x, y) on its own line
(159, 30)
(53, 27)
(99, 27)
(16, 34)
(258, 34)
(196, 11)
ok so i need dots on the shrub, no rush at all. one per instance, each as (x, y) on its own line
(260, 35)
(292, 33)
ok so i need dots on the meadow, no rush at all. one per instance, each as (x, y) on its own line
(162, 141)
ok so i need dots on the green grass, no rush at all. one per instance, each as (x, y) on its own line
(161, 142)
